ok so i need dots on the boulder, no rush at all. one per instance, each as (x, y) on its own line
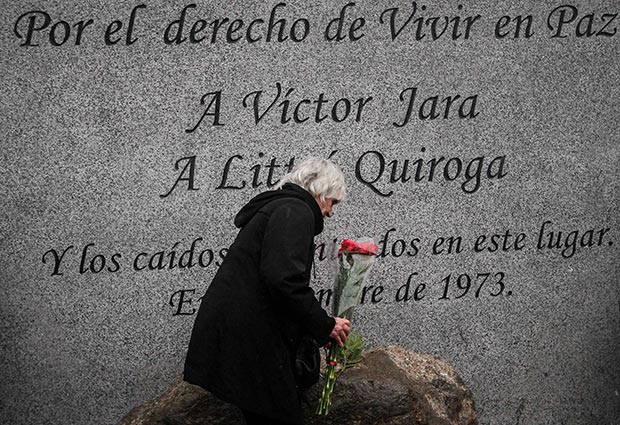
(390, 386)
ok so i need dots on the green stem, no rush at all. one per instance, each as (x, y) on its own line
(325, 401)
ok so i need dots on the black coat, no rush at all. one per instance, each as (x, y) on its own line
(258, 305)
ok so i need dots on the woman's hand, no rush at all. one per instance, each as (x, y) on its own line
(341, 330)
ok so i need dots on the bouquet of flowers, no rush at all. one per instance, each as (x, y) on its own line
(355, 258)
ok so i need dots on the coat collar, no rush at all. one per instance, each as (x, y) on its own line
(289, 190)
(310, 201)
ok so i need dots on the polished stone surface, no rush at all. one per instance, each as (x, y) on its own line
(100, 274)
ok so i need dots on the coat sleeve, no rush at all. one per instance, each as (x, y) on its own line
(289, 234)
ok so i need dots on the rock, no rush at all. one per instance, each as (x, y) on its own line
(184, 404)
(393, 386)
(390, 386)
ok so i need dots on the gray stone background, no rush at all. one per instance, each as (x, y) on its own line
(91, 134)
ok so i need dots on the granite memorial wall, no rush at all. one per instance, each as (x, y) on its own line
(480, 144)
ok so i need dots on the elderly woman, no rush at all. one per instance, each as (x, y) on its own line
(260, 303)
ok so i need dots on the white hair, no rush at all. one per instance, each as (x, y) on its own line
(321, 177)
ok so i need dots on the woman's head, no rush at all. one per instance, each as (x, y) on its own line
(321, 177)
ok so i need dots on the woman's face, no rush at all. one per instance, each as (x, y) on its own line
(326, 205)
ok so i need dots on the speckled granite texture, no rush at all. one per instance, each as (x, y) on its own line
(479, 140)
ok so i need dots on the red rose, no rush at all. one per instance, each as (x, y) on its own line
(364, 248)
